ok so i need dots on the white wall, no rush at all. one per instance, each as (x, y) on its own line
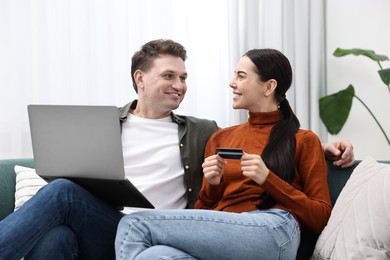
(360, 24)
(78, 52)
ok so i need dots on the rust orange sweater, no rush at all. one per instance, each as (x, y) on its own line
(306, 198)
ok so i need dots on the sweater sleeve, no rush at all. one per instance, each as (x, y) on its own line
(209, 195)
(307, 198)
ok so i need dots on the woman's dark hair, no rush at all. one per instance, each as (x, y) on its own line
(143, 59)
(279, 153)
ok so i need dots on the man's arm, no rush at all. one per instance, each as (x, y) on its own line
(341, 152)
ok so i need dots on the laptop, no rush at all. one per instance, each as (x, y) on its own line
(83, 144)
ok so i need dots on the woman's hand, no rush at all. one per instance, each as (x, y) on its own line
(253, 167)
(213, 169)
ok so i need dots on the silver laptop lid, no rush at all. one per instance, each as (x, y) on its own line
(76, 141)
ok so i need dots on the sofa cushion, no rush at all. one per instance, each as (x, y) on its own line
(359, 225)
(27, 184)
(7, 183)
(337, 177)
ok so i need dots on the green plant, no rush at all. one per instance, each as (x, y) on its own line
(335, 108)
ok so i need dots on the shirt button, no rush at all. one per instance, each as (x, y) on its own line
(187, 167)
(181, 145)
(189, 190)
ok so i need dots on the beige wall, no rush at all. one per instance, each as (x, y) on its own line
(360, 24)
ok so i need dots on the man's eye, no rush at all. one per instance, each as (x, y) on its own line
(168, 76)
(183, 79)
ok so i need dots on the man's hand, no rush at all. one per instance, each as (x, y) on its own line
(340, 152)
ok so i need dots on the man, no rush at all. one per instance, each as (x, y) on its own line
(163, 155)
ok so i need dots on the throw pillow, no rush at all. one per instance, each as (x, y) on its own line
(27, 184)
(359, 225)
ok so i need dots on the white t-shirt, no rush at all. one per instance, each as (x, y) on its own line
(152, 161)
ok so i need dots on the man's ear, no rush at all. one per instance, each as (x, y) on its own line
(138, 78)
(270, 87)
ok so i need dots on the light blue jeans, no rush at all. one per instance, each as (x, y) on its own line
(206, 234)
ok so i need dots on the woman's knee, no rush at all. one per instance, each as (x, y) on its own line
(132, 218)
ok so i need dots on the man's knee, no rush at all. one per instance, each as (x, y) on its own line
(59, 187)
(62, 184)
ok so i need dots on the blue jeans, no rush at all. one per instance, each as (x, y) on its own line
(62, 221)
(206, 234)
(59, 242)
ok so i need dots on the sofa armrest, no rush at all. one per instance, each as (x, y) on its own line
(337, 178)
(7, 183)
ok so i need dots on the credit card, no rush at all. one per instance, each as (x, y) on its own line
(230, 153)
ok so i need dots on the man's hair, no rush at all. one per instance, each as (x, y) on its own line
(143, 59)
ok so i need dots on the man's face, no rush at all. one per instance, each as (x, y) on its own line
(163, 86)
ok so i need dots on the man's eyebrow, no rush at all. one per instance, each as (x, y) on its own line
(174, 72)
(170, 71)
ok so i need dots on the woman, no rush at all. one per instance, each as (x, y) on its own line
(254, 207)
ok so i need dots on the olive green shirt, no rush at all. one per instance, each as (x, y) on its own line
(193, 135)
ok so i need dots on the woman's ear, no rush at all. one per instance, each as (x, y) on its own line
(270, 87)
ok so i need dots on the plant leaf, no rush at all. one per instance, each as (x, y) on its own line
(368, 53)
(335, 108)
(385, 76)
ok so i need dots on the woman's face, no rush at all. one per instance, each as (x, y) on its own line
(248, 89)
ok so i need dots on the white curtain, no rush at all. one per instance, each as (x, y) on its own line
(79, 51)
(297, 28)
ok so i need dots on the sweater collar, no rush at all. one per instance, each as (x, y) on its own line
(264, 118)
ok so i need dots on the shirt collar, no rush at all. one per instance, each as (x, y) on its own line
(124, 111)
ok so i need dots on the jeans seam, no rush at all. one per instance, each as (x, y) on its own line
(197, 219)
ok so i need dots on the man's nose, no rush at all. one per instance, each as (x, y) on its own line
(177, 84)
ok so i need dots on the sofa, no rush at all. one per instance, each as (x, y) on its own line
(337, 178)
